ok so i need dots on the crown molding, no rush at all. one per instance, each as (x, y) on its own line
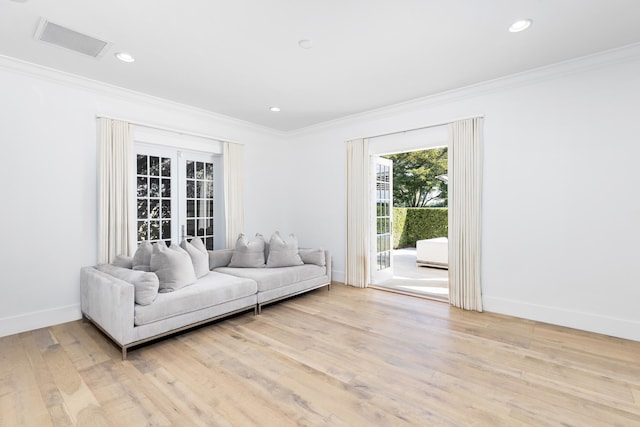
(75, 81)
(549, 72)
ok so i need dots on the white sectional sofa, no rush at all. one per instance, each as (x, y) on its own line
(275, 284)
(121, 302)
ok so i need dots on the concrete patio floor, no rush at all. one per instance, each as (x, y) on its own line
(409, 277)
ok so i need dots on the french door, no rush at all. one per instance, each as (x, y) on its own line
(174, 195)
(382, 219)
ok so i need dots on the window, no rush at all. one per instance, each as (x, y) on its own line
(383, 200)
(175, 195)
(153, 198)
(200, 190)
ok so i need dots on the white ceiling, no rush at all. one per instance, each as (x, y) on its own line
(240, 57)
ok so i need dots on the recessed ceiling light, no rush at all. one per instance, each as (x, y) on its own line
(305, 44)
(520, 25)
(274, 109)
(125, 57)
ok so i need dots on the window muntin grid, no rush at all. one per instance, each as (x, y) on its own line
(153, 198)
(199, 187)
(383, 216)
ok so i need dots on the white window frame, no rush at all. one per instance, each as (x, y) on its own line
(170, 144)
(379, 274)
(150, 150)
(183, 157)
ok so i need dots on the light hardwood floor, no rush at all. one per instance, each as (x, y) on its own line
(348, 357)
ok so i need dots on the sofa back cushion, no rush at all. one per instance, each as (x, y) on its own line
(145, 284)
(313, 256)
(199, 255)
(248, 254)
(173, 266)
(220, 258)
(142, 257)
(123, 261)
(283, 253)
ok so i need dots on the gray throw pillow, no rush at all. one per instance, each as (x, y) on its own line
(142, 257)
(283, 253)
(123, 261)
(220, 258)
(313, 256)
(248, 254)
(173, 266)
(199, 255)
(145, 284)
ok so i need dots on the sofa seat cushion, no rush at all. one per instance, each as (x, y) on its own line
(212, 289)
(273, 278)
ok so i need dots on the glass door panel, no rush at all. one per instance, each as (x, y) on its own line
(198, 206)
(200, 201)
(382, 185)
(174, 195)
(154, 178)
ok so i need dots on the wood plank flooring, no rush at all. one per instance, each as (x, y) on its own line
(348, 357)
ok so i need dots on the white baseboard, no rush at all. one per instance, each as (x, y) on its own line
(39, 319)
(337, 276)
(607, 325)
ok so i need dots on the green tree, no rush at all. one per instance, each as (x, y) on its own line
(420, 178)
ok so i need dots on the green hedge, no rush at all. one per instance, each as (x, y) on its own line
(413, 224)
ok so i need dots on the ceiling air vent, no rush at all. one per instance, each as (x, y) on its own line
(64, 37)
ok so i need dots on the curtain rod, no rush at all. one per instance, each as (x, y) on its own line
(166, 129)
(425, 127)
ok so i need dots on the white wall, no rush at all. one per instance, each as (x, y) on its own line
(561, 216)
(561, 219)
(48, 219)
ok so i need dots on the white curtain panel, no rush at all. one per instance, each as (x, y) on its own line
(465, 209)
(358, 214)
(233, 157)
(115, 229)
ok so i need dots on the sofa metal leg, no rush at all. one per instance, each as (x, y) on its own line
(259, 307)
(124, 353)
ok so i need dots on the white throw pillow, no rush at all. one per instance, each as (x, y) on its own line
(199, 255)
(248, 254)
(313, 256)
(173, 266)
(220, 258)
(142, 257)
(145, 284)
(283, 253)
(123, 261)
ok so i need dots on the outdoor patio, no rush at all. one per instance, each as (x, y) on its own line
(408, 277)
